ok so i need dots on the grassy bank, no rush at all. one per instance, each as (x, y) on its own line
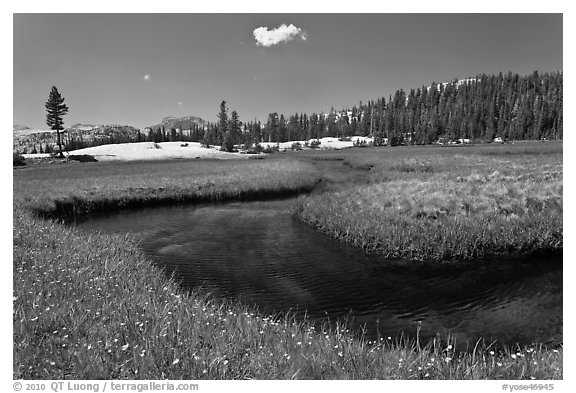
(91, 306)
(448, 204)
(62, 190)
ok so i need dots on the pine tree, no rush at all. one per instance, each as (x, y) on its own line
(56, 109)
(282, 129)
(232, 134)
(222, 123)
(271, 128)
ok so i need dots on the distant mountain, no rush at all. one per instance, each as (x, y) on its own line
(180, 123)
(18, 127)
(78, 135)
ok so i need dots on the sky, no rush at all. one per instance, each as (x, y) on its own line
(135, 69)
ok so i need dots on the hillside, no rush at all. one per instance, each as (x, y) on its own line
(180, 123)
(77, 136)
(19, 127)
(481, 108)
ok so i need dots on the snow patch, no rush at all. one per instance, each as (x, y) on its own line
(326, 143)
(152, 151)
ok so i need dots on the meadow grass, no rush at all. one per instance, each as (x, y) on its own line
(64, 190)
(92, 306)
(447, 204)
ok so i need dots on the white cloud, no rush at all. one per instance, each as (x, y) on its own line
(180, 103)
(282, 33)
(147, 77)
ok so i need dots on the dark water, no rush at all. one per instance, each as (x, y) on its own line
(258, 253)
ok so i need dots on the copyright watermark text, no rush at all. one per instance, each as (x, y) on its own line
(102, 386)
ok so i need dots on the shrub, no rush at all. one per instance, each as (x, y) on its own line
(18, 159)
(360, 143)
(184, 145)
(379, 139)
(271, 149)
(296, 146)
(315, 144)
(83, 158)
(228, 143)
(256, 149)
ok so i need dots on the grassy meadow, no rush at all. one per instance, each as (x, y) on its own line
(61, 190)
(92, 306)
(443, 204)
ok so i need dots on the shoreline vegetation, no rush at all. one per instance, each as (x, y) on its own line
(62, 192)
(92, 306)
(445, 205)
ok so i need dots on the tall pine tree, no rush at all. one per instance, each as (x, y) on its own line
(56, 109)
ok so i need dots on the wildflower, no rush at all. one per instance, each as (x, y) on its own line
(426, 375)
(176, 361)
(340, 354)
(447, 360)
(225, 361)
(299, 343)
(499, 364)
(513, 356)
(125, 347)
(492, 353)
(449, 347)
(204, 371)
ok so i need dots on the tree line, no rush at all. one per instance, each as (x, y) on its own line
(508, 106)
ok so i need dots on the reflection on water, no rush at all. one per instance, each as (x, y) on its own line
(258, 253)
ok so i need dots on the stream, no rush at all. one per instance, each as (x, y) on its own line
(259, 254)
